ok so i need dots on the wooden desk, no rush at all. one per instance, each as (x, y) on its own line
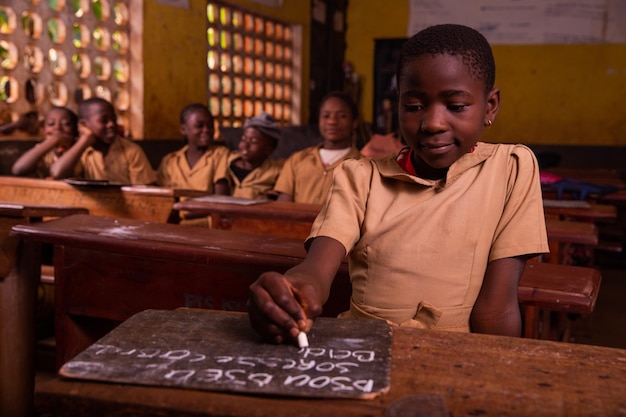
(19, 268)
(563, 234)
(276, 218)
(580, 210)
(132, 202)
(109, 269)
(474, 374)
(617, 198)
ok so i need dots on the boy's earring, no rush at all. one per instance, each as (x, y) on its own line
(488, 123)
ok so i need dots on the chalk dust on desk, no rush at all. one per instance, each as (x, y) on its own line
(121, 231)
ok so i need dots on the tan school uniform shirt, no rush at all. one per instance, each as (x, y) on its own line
(305, 178)
(175, 172)
(43, 167)
(125, 163)
(258, 182)
(419, 249)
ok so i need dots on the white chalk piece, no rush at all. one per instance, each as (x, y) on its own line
(303, 341)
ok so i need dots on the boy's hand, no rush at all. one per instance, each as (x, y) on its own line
(61, 141)
(280, 308)
(85, 133)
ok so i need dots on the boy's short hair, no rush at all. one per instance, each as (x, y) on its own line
(346, 98)
(265, 124)
(84, 107)
(192, 108)
(452, 39)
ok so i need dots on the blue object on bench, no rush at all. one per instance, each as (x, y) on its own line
(579, 188)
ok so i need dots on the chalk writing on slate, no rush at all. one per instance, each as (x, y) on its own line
(217, 351)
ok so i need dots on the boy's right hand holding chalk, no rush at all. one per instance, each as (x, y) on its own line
(281, 306)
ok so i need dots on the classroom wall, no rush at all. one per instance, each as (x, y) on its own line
(174, 58)
(551, 94)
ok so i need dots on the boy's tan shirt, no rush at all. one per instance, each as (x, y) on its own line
(125, 163)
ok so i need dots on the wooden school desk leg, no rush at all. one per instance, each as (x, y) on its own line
(18, 293)
(555, 252)
(531, 320)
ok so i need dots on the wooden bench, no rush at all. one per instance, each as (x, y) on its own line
(473, 374)
(131, 202)
(563, 289)
(109, 269)
(19, 276)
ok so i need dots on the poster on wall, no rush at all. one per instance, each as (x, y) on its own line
(527, 21)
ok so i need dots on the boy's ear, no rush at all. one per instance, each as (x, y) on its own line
(183, 130)
(493, 104)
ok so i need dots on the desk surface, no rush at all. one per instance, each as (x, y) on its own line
(271, 210)
(29, 211)
(135, 202)
(594, 212)
(168, 241)
(585, 233)
(475, 374)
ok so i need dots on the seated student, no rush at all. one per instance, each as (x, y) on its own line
(200, 164)
(251, 172)
(307, 174)
(60, 129)
(438, 236)
(102, 153)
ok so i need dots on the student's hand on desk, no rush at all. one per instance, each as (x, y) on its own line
(280, 308)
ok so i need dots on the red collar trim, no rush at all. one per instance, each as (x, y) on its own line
(404, 160)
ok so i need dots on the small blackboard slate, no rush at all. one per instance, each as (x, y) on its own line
(217, 351)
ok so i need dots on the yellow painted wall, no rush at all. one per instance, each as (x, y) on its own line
(174, 58)
(551, 94)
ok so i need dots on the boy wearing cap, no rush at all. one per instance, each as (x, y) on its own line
(251, 172)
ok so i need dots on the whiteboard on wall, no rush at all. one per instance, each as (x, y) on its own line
(527, 21)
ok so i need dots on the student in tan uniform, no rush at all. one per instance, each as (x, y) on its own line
(103, 154)
(200, 164)
(60, 130)
(438, 236)
(306, 176)
(251, 172)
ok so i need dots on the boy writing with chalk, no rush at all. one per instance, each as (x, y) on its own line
(437, 235)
